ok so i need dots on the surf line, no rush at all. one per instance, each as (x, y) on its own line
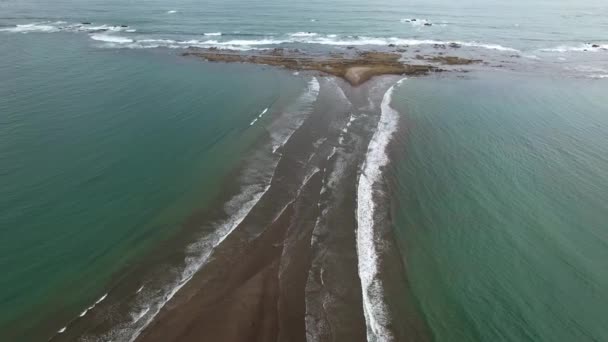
(375, 308)
(82, 314)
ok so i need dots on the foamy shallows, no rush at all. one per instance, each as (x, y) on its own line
(374, 305)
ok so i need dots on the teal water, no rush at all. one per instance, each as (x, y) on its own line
(109, 140)
(503, 205)
(104, 153)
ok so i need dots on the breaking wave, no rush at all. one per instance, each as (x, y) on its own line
(374, 305)
(264, 41)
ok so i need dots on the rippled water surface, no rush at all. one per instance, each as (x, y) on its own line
(109, 140)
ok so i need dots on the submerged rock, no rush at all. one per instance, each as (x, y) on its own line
(455, 45)
(595, 46)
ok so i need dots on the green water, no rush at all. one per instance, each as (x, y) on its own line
(110, 139)
(104, 153)
(503, 206)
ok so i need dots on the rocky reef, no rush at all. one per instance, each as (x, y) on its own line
(356, 68)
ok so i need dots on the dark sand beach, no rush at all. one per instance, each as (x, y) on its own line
(289, 271)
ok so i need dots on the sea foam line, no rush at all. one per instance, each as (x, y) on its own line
(224, 231)
(374, 305)
(307, 100)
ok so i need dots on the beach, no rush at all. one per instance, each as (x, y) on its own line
(289, 269)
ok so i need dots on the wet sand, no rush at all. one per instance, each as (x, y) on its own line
(288, 272)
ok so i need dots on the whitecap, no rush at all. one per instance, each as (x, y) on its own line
(263, 112)
(111, 39)
(213, 34)
(101, 299)
(171, 12)
(34, 27)
(62, 330)
(304, 34)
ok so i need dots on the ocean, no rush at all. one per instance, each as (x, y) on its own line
(125, 165)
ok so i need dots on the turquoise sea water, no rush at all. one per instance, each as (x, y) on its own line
(503, 205)
(109, 140)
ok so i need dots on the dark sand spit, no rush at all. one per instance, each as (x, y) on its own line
(289, 272)
(356, 67)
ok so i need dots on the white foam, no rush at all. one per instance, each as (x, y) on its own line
(86, 310)
(362, 41)
(101, 299)
(374, 305)
(263, 112)
(62, 330)
(139, 289)
(34, 27)
(111, 39)
(599, 76)
(213, 34)
(140, 315)
(577, 48)
(62, 26)
(252, 122)
(171, 12)
(304, 34)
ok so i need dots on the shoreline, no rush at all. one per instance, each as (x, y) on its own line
(288, 271)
